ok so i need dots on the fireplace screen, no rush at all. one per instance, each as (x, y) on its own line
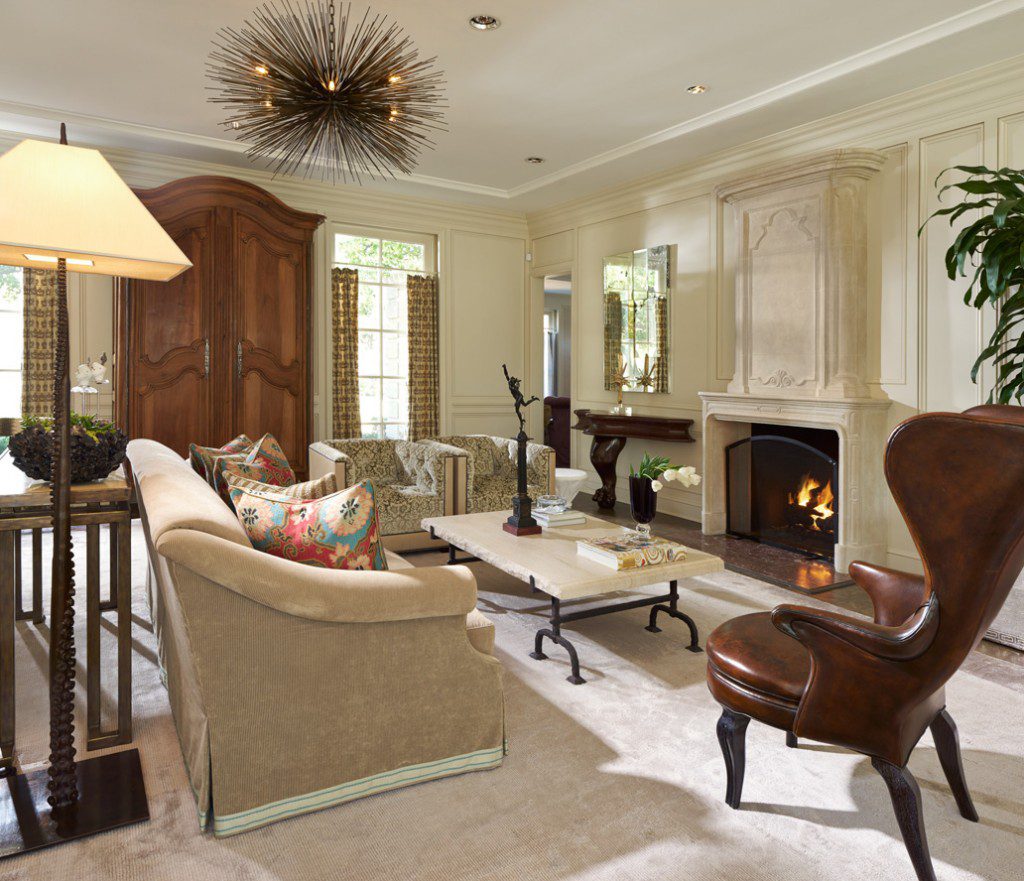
(783, 491)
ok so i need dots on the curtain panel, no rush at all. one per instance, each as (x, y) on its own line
(612, 337)
(424, 369)
(661, 315)
(345, 318)
(40, 341)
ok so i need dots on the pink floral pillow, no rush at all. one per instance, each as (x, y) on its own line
(201, 458)
(339, 531)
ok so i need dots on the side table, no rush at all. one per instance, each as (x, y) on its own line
(24, 506)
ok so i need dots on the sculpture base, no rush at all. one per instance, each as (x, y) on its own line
(111, 793)
(508, 526)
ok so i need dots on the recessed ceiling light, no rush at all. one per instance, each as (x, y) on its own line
(698, 89)
(484, 22)
(535, 160)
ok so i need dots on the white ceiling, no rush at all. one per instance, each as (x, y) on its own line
(597, 87)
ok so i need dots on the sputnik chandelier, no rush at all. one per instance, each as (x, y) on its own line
(318, 93)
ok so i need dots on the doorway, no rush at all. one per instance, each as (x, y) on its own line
(557, 353)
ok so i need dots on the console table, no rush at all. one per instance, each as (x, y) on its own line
(610, 432)
(25, 507)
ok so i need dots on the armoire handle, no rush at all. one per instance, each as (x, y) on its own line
(239, 359)
(206, 358)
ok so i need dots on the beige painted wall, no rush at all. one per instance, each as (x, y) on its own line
(483, 282)
(923, 339)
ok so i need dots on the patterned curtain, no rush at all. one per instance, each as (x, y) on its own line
(661, 317)
(424, 371)
(612, 336)
(40, 297)
(345, 317)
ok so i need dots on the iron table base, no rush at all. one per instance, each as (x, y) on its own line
(667, 603)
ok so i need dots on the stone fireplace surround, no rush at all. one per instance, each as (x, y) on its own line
(801, 347)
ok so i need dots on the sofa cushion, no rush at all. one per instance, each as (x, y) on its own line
(201, 458)
(339, 531)
(402, 508)
(310, 489)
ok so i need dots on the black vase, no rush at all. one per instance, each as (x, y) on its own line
(643, 503)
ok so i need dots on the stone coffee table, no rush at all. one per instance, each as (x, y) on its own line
(549, 563)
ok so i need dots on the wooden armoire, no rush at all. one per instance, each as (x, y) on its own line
(225, 347)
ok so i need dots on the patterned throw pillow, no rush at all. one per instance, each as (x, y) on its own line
(269, 455)
(201, 458)
(339, 531)
(311, 489)
(265, 463)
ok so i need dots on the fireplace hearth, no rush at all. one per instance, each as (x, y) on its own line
(782, 488)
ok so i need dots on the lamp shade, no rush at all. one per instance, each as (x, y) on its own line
(62, 201)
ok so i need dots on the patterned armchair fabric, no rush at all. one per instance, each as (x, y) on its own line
(491, 472)
(412, 479)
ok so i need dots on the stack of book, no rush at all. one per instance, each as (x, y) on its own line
(550, 519)
(630, 551)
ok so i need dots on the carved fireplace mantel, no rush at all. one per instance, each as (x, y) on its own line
(801, 294)
(610, 431)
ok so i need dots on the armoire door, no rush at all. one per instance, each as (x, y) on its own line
(271, 339)
(169, 338)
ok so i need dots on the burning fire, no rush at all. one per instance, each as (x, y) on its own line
(816, 497)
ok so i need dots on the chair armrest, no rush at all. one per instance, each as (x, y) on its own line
(895, 595)
(325, 459)
(540, 466)
(321, 594)
(894, 643)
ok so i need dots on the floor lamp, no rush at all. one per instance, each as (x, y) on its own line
(65, 208)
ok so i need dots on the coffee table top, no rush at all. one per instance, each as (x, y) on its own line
(551, 559)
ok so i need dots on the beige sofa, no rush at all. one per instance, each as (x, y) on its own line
(295, 688)
(414, 480)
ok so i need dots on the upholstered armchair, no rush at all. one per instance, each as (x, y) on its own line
(876, 686)
(412, 480)
(491, 478)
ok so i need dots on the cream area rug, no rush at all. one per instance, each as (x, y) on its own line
(620, 778)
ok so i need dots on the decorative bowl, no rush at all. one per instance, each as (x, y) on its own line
(94, 453)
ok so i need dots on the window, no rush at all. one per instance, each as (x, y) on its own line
(383, 262)
(11, 340)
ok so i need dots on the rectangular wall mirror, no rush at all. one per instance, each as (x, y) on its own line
(636, 315)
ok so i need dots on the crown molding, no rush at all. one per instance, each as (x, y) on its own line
(996, 87)
(340, 203)
(884, 52)
(171, 139)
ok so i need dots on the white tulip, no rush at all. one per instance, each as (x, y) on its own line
(671, 474)
(656, 485)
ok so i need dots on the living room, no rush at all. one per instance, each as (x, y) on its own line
(429, 441)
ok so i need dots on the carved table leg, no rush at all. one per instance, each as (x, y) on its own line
(604, 453)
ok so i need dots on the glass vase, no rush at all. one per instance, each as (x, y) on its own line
(643, 503)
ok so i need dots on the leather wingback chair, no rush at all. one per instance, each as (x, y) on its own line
(875, 687)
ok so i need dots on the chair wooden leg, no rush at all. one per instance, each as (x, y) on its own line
(732, 735)
(947, 745)
(791, 740)
(906, 803)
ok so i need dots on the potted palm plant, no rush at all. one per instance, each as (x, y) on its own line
(989, 251)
